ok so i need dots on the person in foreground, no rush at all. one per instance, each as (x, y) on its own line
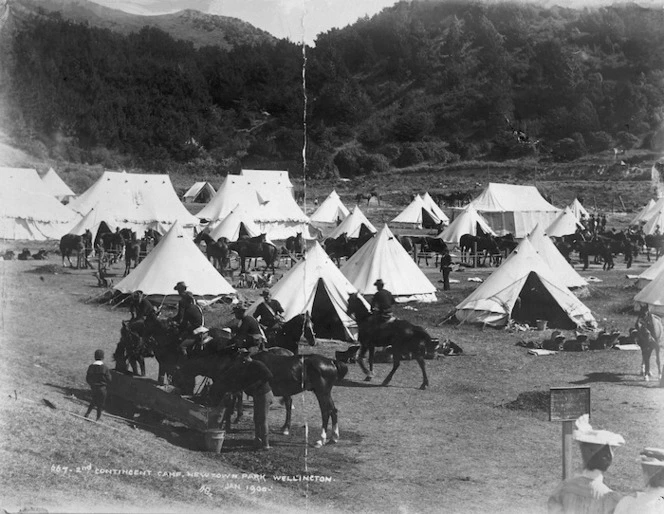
(586, 493)
(650, 501)
(99, 377)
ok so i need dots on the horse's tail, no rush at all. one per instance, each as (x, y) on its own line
(342, 369)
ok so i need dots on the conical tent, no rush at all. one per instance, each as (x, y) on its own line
(565, 224)
(467, 222)
(56, 186)
(136, 201)
(558, 264)
(28, 210)
(512, 209)
(330, 212)
(643, 214)
(383, 257)
(433, 207)
(352, 225)
(417, 215)
(201, 192)
(652, 295)
(176, 258)
(316, 285)
(525, 289)
(651, 273)
(578, 210)
(655, 220)
(237, 223)
(92, 221)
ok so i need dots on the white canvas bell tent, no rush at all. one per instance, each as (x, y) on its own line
(650, 273)
(274, 211)
(578, 210)
(469, 221)
(644, 213)
(316, 285)
(176, 258)
(512, 209)
(565, 224)
(267, 181)
(547, 250)
(200, 192)
(655, 221)
(524, 289)
(352, 225)
(28, 210)
(137, 201)
(416, 215)
(238, 223)
(57, 186)
(652, 295)
(383, 257)
(434, 208)
(92, 221)
(330, 213)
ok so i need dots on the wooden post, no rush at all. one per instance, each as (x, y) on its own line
(568, 446)
(622, 203)
(475, 255)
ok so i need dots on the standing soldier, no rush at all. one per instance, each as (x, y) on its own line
(445, 268)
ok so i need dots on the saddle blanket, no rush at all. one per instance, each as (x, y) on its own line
(539, 352)
(626, 347)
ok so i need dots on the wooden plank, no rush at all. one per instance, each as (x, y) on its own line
(143, 392)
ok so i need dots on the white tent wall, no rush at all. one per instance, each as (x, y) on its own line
(434, 208)
(57, 186)
(231, 226)
(642, 216)
(416, 215)
(352, 225)
(650, 273)
(267, 181)
(578, 209)
(199, 192)
(465, 223)
(551, 255)
(329, 214)
(566, 223)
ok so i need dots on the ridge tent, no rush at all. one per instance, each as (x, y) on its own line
(57, 186)
(201, 192)
(137, 201)
(433, 207)
(329, 213)
(512, 209)
(417, 215)
(238, 223)
(176, 258)
(316, 285)
(383, 257)
(643, 214)
(547, 250)
(565, 224)
(525, 289)
(28, 210)
(266, 181)
(469, 221)
(578, 210)
(352, 225)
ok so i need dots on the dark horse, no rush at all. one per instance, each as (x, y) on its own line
(255, 247)
(132, 347)
(132, 252)
(216, 251)
(81, 245)
(484, 244)
(291, 375)
(403, 336)
(367, 196)
(287, 335)
(649, 335)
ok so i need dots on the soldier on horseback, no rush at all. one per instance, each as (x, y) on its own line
(140, 307)
(382, 302)
(270, 313)
(188, 318)
(249, 334)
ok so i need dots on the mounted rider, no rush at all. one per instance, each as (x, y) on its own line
(140, 307)
(248, 334)
(382, 302)
(188, 318)
(270, 313)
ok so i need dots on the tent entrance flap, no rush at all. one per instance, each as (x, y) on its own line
(327, 323)
(427, 220)
(535, 303)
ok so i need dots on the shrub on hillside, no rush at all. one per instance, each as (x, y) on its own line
(567, 149)
(374, 163)
(347, 161)
(599, 141)
(409, 156)
(627, 140)
(656, 141)
(412, 126)
(391, 151)
(372, 134)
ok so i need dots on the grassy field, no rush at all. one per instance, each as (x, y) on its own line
(477, 441)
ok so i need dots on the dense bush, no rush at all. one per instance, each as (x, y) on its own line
(599, 141)
(567, 149)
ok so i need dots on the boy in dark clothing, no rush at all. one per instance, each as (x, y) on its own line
(98, 376)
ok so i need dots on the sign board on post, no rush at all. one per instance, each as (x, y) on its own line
(567, 404)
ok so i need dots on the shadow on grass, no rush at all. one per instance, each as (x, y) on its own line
(603, 376)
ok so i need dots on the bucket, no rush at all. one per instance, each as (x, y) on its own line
(541, 324)
(214, 440)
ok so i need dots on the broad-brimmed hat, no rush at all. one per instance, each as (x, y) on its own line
(200, 330)
(266, 292)
(180, 285)
(226, 333)
(137, 292)
(585, 434)
(379, 282)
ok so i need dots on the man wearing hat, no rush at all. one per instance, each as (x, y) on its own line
(586, 492)
(140, 307)
(382, 301)
(650, 501)
(188, 318)
(249, 334)
(270, 312)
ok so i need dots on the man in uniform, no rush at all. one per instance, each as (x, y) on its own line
(445, 268)
(140, 306)
(270, 313)
(249, 334)
(382, 302)
(188, 318)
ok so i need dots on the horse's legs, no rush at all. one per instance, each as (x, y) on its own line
(238, 404)
(134, 366)
(326, 406)
(288, 403)
(646, 352)
(425, 379)
(659, 364)
(141, 363)
(372, 351)
(360, 361)
(396, 358)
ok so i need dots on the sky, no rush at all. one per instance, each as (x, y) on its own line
(293, 19)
